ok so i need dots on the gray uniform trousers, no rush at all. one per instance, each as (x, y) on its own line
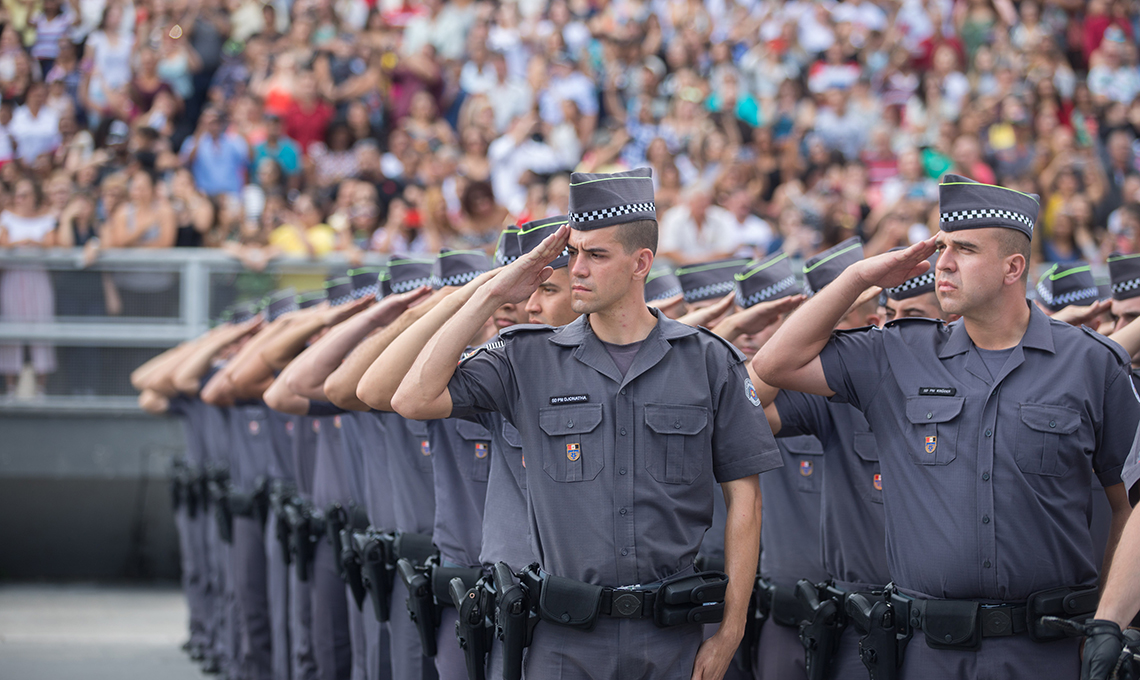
(191, 545)
(331, 639)
(376, 639)
(617, 649)
(277, 582)
(779, 655)
(847, 665)
(357, 639)
(253, 598)
(226, 621)
(449, 660)
(408, 660)
(1007, 658)
(304, 663)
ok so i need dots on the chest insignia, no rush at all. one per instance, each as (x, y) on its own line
(480, 450)
(931, 444)
(573, 452)
(806, 468)
(425, 447)
(878, 482)
(254, 427)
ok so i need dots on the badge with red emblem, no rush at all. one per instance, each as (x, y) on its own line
(425, 447)
(480, 450)
(931, 444)
(878, 482)
(573, 452)
(806, 468)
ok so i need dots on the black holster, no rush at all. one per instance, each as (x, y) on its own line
(475, 627)
(421, 603)
(191, 493)
(178, 474)
(350, 562)
(821, 628)
(281, 495)
(884, 622)
(306, 526)
(377, 568)
(752, 626)
(778, 604)
(220, 495)
(515, 614)
(336, 518)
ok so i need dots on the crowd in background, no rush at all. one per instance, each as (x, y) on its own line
(305, 127)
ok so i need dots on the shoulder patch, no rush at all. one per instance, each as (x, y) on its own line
(736, 353)
(860, 329)
(1121, 354)
(913, 320)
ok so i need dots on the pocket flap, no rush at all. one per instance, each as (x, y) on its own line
(472, 431)
(803, 445)
(570, 602)
(1055, 419)
(933, 409)
(418, 428)
(511, 435)
(950, 622)
(668, 419)
(564, 420)
(866, 447)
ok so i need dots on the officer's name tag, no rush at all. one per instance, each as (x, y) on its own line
(937, 391)
(569, 399)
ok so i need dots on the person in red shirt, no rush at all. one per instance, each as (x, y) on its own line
(308, 117)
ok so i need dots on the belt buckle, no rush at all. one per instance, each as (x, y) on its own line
(996, 621)
(627, 604)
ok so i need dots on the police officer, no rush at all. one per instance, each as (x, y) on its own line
(990, 429)
(624, 418)
(1124, 270)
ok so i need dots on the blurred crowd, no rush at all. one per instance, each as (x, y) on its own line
(304, 127)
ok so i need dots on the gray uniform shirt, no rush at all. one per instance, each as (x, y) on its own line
(409, 468)
(620, 471)
(330, 481)
(252, 444)
(377, 484)
(789, 532)
(461, 463)
(506, 530)
(304, 453)
(986, 480)
(852, 521)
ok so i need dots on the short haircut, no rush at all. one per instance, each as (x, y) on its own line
(634, 236)
(1014, 242)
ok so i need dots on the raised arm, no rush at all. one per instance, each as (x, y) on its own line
(286, 345)
(188, 375)
(1128, 337)
(384, 376)
(790, 360)
(423, 394)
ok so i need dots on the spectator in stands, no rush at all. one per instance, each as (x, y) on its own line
(218, 159)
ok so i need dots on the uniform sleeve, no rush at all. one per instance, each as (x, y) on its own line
(802, 414)
(483, 383)
(1118, 431)
(742, 441)
(854, 364)
(1131, 473)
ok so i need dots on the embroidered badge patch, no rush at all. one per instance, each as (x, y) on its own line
(425, 447)
(254, 427)
(336, 422)
(480, 450)
(750, 392)
(806, 468)
(573, 452)
(316, 425)
(289, 427)
(931, 444)
(878, 482)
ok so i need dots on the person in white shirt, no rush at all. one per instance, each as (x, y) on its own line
(523, 148)
(692, 232)
(35, 126)
(753, 233)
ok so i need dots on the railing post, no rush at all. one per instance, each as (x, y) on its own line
(195, 294)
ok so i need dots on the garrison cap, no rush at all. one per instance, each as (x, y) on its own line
(1067, 284)
(966, 204)
(407, 273)
(1124, 270)
(709, 280)
(365, 281)
(507, 251)
(280, 302)
(825, 267)
(532, 233)
(602, 200)
(913, 287)
(457, 267)
(311, 299)
(662, 284)
(242, 312)
(338, 291)
(771, 278)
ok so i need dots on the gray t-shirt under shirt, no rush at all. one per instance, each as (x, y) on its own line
(623, 355)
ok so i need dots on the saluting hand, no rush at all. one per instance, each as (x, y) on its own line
(762, 315)
(518, 280)
(331, 316)
(386, 311)
(894, 268)
(1081, 315)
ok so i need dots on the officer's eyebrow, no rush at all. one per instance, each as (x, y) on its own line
(958, 242)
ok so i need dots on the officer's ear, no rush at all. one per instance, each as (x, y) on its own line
(643, 264)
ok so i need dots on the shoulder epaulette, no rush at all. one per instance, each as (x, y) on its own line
(912, 319)
(733, 349)
(856, 330)
(1117, 350)
(525, 328)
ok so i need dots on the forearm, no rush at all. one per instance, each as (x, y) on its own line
(283, 400)
(308, 372)
(741, 552)
(379, 383)
(143, 376)
(287, 344)
(423, 393)
(1121, 597)
(1129, 337)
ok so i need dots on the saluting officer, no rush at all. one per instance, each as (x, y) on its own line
(626, 418)
(1125, 273)
(990, 430)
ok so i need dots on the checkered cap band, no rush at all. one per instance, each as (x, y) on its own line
(1125, 286)
(1083, 295)
(341, 300)
(900, 290)
(712, 290)
(410, 284)
(666, 294)
(766, 293)
(455, 279)
(606, 213)
(986, 214)
(370, 289)
(502, 260)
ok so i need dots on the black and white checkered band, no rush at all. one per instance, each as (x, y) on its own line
(271, 315)
(371, 289)
(710, 291)
(1125, 286)
(503, 260)
(455, 279)
(667, 293)
(1066, 299)
(926, 279)
(492, 345)
(410, 284)
(343, 299)
(616, 211)
(986, 214)
(766, 293)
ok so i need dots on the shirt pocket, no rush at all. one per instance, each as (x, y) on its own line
(678, 442)
(934, 426)
(1045, 439)
(421, 452)
(807, 452)
(476, 450)
(870, 481)
(575, 448)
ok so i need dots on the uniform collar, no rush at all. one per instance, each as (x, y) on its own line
(1038, 335)
(576, 332)
(590, 351)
